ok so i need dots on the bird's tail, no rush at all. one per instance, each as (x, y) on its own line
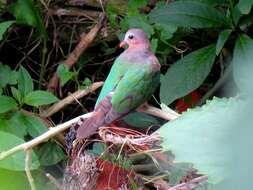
(90, 125)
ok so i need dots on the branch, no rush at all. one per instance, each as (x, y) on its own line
(71, 98)
(190, 184)
(42, 138)
(27, 170)
(146, 108)
(85, 41)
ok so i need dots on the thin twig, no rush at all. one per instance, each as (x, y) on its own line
(42, 138)
(27, 170)
(71, 98)
(146, 108)
(54, 181)
(85, 41)
(190, 184)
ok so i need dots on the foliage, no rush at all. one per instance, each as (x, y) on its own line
(191, 38)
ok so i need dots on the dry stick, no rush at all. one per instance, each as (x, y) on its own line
(42, 138)
(146, 108)
(27, 170)
(190, 184)
(68, 100)
(86, 40)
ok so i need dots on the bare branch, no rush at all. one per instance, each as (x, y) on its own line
(27, 170)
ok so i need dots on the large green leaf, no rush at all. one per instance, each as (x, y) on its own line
(25, 82)
(26, 12)
(245, 6)
(4, 26)
(7, 103)
(7, 76)
(242, 63)
(138, 21)
(12, 124)
(222, 40)
(186, 74)
(203, 136)
(39, 97)
(16, 161)
(189, 13)
(50, 154)
(33, 125)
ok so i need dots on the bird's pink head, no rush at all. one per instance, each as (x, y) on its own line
(136, 39)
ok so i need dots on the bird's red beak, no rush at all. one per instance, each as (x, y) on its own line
(122, 44)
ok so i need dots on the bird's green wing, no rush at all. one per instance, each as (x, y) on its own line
(117, 71)
(136, 87)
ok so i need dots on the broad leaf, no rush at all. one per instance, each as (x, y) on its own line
(34, 125)
(140, 120)
(16, 94)
(64, 74)
(202, 136)
(4, 26)
(222, 40)
(242, 63)
(17, 160)
(50, 154)
(138, 21)
(7, 103)
(7, 76)
(13, 124)
(26, 12)
(39, 97)
(186, 74)
(189, 13)
(25, 82)
(245, 6)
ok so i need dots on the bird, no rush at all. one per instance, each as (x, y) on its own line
(131, 82)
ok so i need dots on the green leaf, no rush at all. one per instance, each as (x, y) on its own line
(154, 44)
(16, 94)
(26, 12)
(189, 13)
(138, 21)
(166, 30)
(133, 6)
(140, 120)
(7, 104)
(245, 6)
(202, 136)
(13, 124)
(25, 82)
(242, 63)
(6, 75)
(40, 97)
(186, 74)
(222, 40)
(34, 125)
(17, 160)
(4, 26)
(64, 74)
(50, 154)
(1, 91)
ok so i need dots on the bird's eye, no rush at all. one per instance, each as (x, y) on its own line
(130, 37)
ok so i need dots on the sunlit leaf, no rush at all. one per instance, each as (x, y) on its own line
(39, 97)
(17, 160)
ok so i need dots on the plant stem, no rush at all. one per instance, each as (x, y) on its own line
(43, 60)
(27, 170)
